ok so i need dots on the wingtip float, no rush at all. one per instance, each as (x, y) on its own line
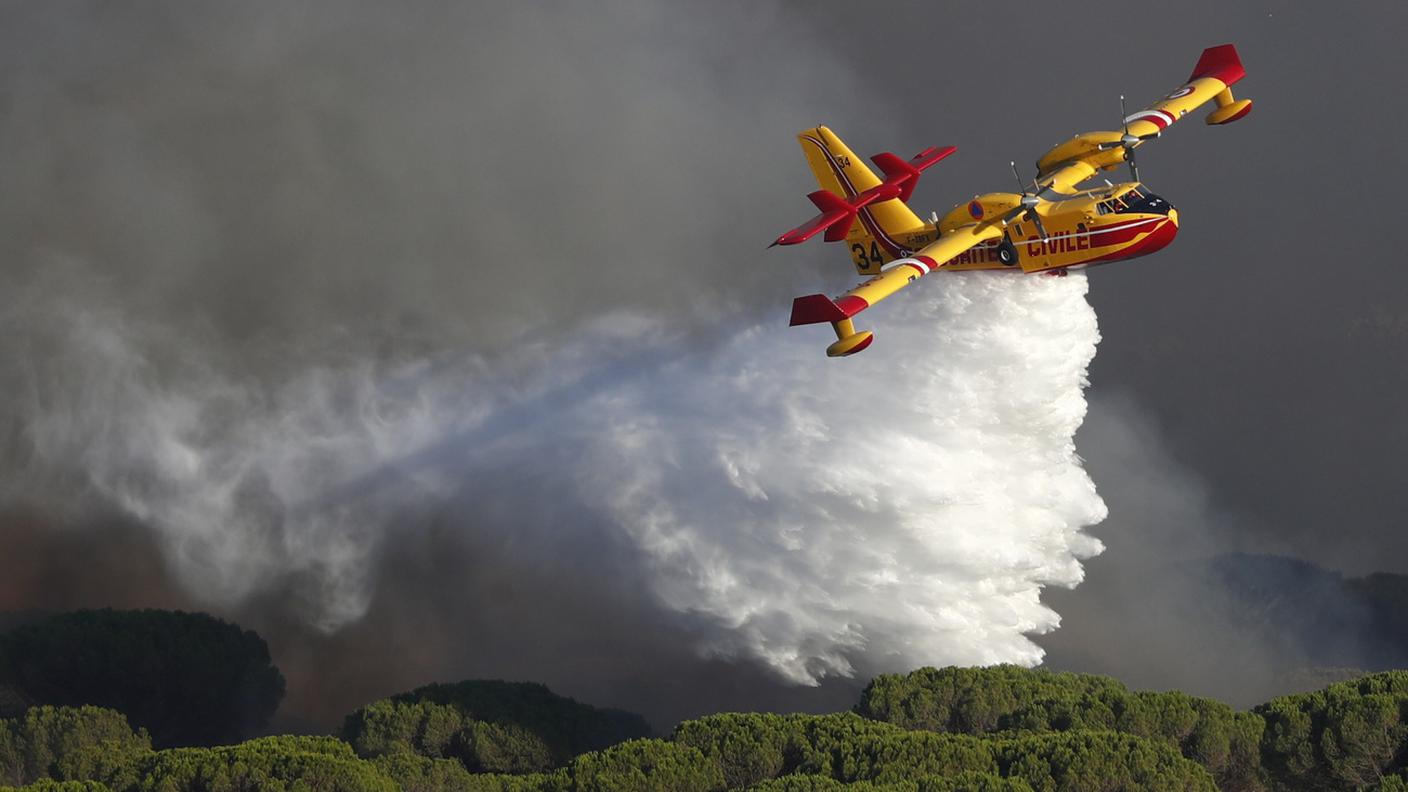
(1051, 226)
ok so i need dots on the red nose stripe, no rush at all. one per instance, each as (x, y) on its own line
(1162, 234)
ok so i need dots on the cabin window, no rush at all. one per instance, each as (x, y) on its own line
(1103, 208)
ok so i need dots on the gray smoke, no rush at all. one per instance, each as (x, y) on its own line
(303, 293)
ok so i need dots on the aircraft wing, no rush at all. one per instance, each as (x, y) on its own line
(1079, 158)
(817, 308)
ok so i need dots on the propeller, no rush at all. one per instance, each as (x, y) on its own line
(1128, 141)
(1027, 207)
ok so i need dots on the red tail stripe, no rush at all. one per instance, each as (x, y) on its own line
(871, 226)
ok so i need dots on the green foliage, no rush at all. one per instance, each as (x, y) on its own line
(797, 750)
(1012, 699)
(747, 747)
(750, 748)
(808, 783)
(489, 726)
(437, 731)
(269, 764)
(63, 743)
(502, 748)
(963, 782)
(50, 785)
(414, 773)
(1084, 760)
(646, 766)
(1030, 732)
(849, 748)
(1347, 736)
(1397, 783)
(188, 678)
(979, 700)
(566, 725)
(972, 782)
(390, 727)
(88, 747)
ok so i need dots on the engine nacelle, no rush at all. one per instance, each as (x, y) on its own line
(1086, 147)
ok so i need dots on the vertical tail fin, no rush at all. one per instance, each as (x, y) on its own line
(839, 170)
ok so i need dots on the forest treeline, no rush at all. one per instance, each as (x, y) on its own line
(996, 729)
(187, 678)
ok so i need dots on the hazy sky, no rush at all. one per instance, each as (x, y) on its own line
(264, 193)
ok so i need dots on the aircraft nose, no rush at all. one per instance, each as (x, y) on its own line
(1173, 216)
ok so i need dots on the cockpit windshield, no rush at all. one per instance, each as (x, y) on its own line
(1134, 201)
(1146, 203)
(1122, 202)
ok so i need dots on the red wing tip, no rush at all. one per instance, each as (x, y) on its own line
(851, 344)
(929, 156)
(1240, 114)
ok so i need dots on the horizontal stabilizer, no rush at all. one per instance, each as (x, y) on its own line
(815, 309)
(905, 175)
(835, 214)
(838, 214)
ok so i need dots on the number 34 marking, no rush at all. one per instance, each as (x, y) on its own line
(867, 259)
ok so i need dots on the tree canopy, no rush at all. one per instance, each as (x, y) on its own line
(489, 726)
(1349, 735)
(999, 729)
(67, 744)
(1003, 699)
(187, 678)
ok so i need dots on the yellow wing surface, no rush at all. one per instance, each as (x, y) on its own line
(817, 308)
(1081, 157)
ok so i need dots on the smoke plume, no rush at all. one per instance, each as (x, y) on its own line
(441, 343)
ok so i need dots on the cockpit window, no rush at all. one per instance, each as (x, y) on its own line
(1141, 202)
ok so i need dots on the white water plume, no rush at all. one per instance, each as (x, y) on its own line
(900, 507)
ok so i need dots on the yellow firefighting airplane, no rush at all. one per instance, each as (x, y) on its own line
(1052, 226)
